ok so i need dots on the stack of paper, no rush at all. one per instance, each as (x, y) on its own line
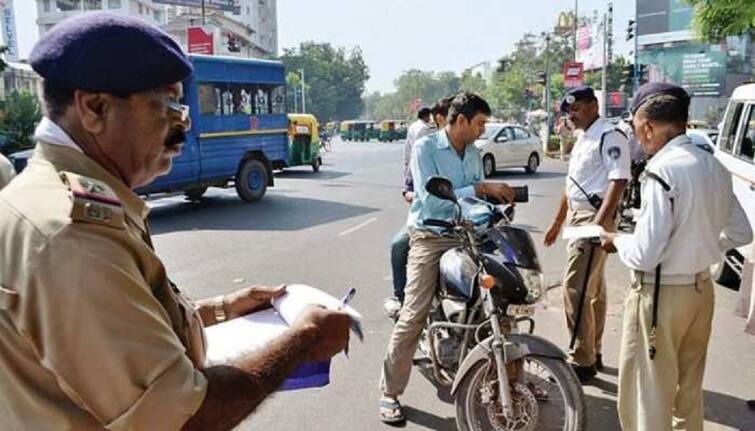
(243, 335)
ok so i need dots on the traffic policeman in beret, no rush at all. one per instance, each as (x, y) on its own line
(94, 333)
(598, 172)
(689, 218)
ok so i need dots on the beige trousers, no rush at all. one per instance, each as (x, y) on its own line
(590, 331)
(665, 393)
(426, 249)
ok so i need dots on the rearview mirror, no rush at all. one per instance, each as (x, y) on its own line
(441, 188)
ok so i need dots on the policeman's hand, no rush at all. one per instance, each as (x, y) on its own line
(409, 197)
(251, 299)
(606, 242)
(501, 192)
(551, 235)
(328, 329)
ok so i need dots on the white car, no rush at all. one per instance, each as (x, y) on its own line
(735, 148)
(505, 145)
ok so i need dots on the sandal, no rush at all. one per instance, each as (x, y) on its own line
(396, 415)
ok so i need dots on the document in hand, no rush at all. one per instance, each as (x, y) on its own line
(580, 232)
(252, 332)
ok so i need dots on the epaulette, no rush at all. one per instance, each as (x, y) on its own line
(705, 147)
(94, 201)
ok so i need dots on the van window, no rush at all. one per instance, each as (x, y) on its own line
(746, 149)
(729, 131)
(211, 98)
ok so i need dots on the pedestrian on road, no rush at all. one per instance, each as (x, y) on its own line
(689, 217)
(400, 242)
(449, 153)
(6, 171)
(598, 173)
(564, 131)
(94, 333)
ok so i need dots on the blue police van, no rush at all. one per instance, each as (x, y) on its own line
(239, 131)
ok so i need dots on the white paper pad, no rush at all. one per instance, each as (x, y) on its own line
(245, 334)
(580, 232)
(300, 296)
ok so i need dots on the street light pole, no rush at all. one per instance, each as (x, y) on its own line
(547, 93)
(203, 13)
(576, 19)
(303, 94)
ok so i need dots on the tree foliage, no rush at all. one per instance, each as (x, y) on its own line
(714, 20)
(22, 113)
(334, 79)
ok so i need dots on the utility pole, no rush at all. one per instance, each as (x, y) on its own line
(547, 93)
(296, 105)
(604, 77)
(303, 94)
(203, 13)
(576, 20)
(636, 80)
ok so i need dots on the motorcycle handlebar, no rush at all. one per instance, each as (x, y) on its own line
(439, 223)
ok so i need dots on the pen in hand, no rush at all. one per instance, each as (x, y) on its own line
(344, 302)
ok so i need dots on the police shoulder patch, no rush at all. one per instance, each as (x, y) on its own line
(94, 201)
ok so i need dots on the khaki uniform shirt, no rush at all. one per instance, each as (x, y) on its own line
(93, 335)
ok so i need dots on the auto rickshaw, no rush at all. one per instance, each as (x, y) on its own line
(373, 131)
(402, 128)
(303, 141)
(359, 132)
(388, 131)
(347, 130)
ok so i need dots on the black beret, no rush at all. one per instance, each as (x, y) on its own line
(424, 112)
(102, 51)
(654, 89)
(575, 95)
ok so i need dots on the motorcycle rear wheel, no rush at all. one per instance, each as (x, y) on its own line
(557, 397)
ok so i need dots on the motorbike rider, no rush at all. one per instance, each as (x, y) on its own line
(450, 153)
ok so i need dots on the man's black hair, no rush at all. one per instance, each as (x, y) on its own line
(666, 108)
(57, 99)
(424, 113)
(467, 104)
(442, 105)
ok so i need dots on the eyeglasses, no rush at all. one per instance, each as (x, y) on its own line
(179, 108)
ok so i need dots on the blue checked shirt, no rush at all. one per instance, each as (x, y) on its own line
(433, 155)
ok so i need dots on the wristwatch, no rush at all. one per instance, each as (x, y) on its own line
(219, 309)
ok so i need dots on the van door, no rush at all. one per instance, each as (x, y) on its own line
(736, 150)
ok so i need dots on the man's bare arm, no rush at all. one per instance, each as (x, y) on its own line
(607, 210)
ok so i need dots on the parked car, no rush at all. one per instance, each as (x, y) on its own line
(505, 145)
(735, 148)
(703, 136)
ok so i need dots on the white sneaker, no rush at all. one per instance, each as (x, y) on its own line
(392, 307)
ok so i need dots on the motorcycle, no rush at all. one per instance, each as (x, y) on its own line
(500, 378)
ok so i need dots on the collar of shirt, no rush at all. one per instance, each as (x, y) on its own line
(64, 159)
(596, 128)
(657, 158)
(49, 132)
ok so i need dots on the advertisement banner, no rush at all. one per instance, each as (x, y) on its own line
(699, 68)
(9, 32)
(224, 5)
(573, 74)
(200, 41)
(590, 46)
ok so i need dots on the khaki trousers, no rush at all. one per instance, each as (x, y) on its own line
(665, 393)
(426, 249)
(590, 331)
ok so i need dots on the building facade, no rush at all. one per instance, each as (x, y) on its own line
(671, 53)
(246, 28)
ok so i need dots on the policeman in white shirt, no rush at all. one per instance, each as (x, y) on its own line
(6, 171)
(598, 173)
(689, 217)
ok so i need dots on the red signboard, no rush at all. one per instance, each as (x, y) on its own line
(616, 99)
(200, 41)
(573, 74)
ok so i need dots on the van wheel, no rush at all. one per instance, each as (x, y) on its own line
(316, 164)
(251, 180)
(195, 193)
(532, 163)
(488, 165)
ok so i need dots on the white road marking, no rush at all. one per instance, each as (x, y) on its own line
(359, 226)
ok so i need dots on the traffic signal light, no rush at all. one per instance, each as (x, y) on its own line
(631, 29)
(542, 78)
(644, 73)
(627, 75)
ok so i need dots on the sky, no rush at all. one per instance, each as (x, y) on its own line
(398, 35)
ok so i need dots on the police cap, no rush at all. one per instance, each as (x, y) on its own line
(111, 53)
(575, 95)
(654, 89)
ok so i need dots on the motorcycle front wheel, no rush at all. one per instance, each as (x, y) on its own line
(548, 397)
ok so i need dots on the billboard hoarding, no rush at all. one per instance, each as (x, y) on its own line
(699, 68)
(590, 46)
(200, 41)
(573, 74)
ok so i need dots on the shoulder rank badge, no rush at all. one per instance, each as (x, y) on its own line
(94, 201)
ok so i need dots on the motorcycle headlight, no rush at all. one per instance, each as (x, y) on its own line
(533, 282)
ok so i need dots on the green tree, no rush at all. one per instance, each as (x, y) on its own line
(714, 20)
(22, 113)
(334, 79)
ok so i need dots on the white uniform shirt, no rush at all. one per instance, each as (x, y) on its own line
(593, 168)
(705, 221)
(6, 171)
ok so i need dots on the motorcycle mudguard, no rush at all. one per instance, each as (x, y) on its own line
(519, 345)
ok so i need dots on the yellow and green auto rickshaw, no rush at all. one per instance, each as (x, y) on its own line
(373, 131)
(359, 131)
(303, 141)
(347, 130)
(402, 127)
(389, 131)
